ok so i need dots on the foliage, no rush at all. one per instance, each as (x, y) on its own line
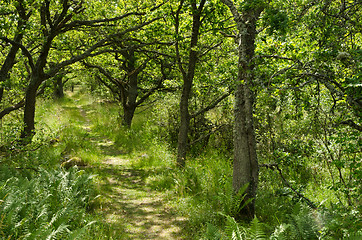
(307, 114)
(48, 205)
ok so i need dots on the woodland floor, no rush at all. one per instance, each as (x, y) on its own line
(131, 208)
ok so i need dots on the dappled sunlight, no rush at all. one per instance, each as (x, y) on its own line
(128, 205)
(128, 201)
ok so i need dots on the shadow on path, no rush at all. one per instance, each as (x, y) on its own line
(139, 212)
(130, 208)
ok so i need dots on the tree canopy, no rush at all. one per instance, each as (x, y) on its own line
(272, 85)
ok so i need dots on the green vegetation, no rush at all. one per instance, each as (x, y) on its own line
(180, 119)
(41, 200)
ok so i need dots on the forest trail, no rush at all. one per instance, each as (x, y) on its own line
(128, 206)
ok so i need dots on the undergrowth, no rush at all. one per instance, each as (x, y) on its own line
(50, 204)
(39, 200)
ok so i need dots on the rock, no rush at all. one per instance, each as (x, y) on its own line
(74, 161)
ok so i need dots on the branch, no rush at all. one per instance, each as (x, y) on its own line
(352, 125)
(207, 135)
(8, 110)
(273, 166)
(234, 11)
(210, 49)
(228, 35)
(20, 104)
(23, 48)
(105, 73)
(177, 32)
(109, 86)
(211, 106)
(94, 23)
(150, 92)
(277, 57)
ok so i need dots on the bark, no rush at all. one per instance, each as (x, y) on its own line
(245, 168)
(58, 87)
(37, 78)
(8, 64)
(187, 84)
(29, 111)
(130, 96)
(10, 58)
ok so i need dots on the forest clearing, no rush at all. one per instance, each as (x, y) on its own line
(180, 119)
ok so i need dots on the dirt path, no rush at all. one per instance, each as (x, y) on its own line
(134, 210)
(129, 206)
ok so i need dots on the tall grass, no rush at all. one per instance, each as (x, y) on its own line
(38, 200)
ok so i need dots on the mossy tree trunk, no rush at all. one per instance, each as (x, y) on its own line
(245, 169)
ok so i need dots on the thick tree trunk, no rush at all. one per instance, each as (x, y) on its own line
(128, 114)
(245, 158)
(130, 95)
(184, 124)
(1, 94)
(129, 106)
(36, 79)
(245, 169)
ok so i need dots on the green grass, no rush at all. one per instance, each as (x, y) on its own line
(82, 127)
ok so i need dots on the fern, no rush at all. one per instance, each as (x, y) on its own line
(58, 233)
(256, 230)
(299, 226)
(212, 233)
(233, 202)
(51, 205)
(232, 228)
(303, 226)
(281, 232)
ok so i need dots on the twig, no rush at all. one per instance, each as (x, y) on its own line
(273, 166)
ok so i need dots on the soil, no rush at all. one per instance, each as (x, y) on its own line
(128, 206)
(138, 211)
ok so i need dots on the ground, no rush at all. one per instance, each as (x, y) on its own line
(131, 208)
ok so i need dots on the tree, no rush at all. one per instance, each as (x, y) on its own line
(46, 56)
(190, 49)
(10, 60)
(245, 169)
(187, 74)
(124, 71)
(126, 88)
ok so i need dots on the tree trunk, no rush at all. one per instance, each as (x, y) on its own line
(245, 169)
(29, 111)
(1, 94)
(182, 143)
(58, 86)
(128, 113)
(245, 158)
(36, 79)
(9, 63)
(130, 95)
(188, 77)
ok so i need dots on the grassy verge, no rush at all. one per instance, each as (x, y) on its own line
(39, 199)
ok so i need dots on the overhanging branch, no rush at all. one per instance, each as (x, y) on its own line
(273, 166)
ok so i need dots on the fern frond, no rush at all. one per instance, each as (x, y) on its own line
(256, 229)
(212, 233)
(58, 233)
(232, 228)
